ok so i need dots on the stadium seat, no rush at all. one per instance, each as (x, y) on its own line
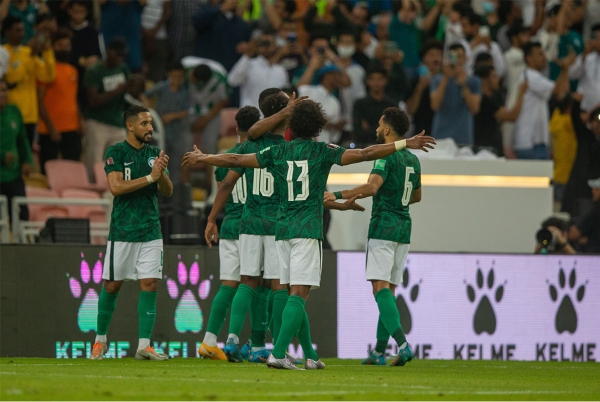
(94, 213)
(228, 123)
(40, 213)
(100, 176)
(64, 174)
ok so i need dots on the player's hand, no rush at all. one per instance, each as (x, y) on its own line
(158, 168)
(292, 102)
(421, 141)
(328, 196)
(192, 158)
(351, 204)
(211, 234)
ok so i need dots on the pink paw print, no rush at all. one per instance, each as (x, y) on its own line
(84, 286)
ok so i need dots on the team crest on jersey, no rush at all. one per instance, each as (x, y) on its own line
(151, 161)
(110, 161)
(333, 146)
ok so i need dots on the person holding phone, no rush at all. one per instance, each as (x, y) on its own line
(478, 40)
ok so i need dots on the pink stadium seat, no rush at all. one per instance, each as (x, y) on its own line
(40, 213)
(228, 123)
(95, 213)
(100, 176)
(64, 174)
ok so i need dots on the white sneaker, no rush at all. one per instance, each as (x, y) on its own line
(314, 365)
(150, 354)
(284, 363)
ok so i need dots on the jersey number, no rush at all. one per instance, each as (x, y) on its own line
(127, 173)
(263, 183)
(408, 186)
(239, 191)
(303, 178)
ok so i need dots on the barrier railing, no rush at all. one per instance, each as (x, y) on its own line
(4, 228)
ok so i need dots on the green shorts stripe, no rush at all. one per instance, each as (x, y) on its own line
(112, 261)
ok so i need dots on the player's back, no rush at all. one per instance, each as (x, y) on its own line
(390, 218)
(234, 206)
(135, 215)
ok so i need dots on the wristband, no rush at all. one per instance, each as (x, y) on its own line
(338, 195)
(150, 179)
(400, 145)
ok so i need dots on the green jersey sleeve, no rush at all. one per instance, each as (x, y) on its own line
(334, 153)
(241, 150)
(220, 173)
(417, 172)
(380, 168)
(266, 157)
(113, 160)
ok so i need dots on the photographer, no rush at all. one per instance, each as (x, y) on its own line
(552, 237)
(587, 231)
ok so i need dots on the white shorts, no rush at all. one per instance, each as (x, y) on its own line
(386, 260)
(300, 261)
(133, 261)
(229, 257)
(258, 253)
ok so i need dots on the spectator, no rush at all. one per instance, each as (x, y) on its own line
(450, 30)
(314, 24)
(122, 18)
(290, 54)
(418, 103)
(329, 78)
(15, 152)
(368, 110)
(361, 17)
(181, 34)
(478, 40)
(222, 35)
(553, 237)
(509, 14)
(4, 58)
(266, 16)
(255, 70)
(27, 13)
(154, 19)
(577, 195)
(105, 84)
(45, 22)
(319, 54)
(173, 106)
(59, 127)
(564, 145)
(569, 41)
(389, 57)
(403, 31)
(27, 65)
(491, 111)
(455, 98)
(591, 18)
(548, 36)
(85, 49)
(586, 69)
(209, 93)
(587, 230)
(531, 135)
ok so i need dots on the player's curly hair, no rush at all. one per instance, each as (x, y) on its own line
(397, 119)
(307, 120)
(273, 104)
(246, 117)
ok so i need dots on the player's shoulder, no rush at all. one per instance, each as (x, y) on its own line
(234, 148)
(118, 147)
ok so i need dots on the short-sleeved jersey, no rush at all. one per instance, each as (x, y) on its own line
(390, 219)
(135, 215)
(301, 170)
(230, 228)
(262, 202)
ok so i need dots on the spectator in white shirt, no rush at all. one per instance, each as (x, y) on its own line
(531, 135)
(478, 40)
(329, 78)
(587, 70)
(255, 71)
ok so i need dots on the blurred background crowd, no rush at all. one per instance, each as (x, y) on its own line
(517, 79)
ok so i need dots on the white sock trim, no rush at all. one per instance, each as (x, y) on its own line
(256, 349)
(405, 344)
(101, 338)
(377, 353)
(236, 339)
(210, 339)
(143, 343)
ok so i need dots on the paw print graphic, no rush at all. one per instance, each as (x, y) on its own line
(566, 316)
(188, 314)
(413, 294)
(485, 317)
(84, 286)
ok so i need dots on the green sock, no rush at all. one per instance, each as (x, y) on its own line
(106, 307)
(305, 339)
(389, 315)
(279, 300)
(239, 308)
(218, 309)
(382, 337)
(259, 317)
(270, 312)
(146, 313)
(293, 314)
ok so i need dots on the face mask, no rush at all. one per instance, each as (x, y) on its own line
(346, 51)
(488, 7)
(62, 55)
(279, 41)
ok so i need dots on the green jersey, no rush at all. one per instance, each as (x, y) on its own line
(104, 79)
(230, 228)
(401, 174)
(135, 215)
(301, 170)
(260, 212)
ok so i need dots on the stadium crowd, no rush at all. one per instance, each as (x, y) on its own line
(520, 79)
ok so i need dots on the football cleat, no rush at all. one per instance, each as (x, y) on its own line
(232, 352)
(259, 356)
(293, 359)
(150, 354)
(404, 356)
(245, 352)
(285, 363)
(98, 351)
(211, 352)
(375, 360)
(314, 364)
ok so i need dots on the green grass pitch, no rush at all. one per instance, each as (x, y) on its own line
(186, 379)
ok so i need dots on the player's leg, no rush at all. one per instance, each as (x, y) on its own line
(149, 267)
(405, 353)
(280, 296)
(259, 321)
(229, 257)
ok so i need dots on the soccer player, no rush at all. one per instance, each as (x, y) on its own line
(229, 252)
(302, 167)
(389, 230)
(136, 171)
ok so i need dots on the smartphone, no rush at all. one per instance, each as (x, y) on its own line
(321, 50)
(391, 47)
(453, 58)
(423, 71)
(484, 30)
(292, 37)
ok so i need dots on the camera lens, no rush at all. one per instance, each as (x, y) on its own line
(544, 237)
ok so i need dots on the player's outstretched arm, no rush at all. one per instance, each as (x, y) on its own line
(211, 233)
(118, 186)
(420, 141)
(269, 123)
(223, 160)
(363, 191)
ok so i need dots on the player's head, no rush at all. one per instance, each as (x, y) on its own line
(274, 103)
(307, 120)
(393, 124)
(138, 123)
(245, 118)
(266, 93)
